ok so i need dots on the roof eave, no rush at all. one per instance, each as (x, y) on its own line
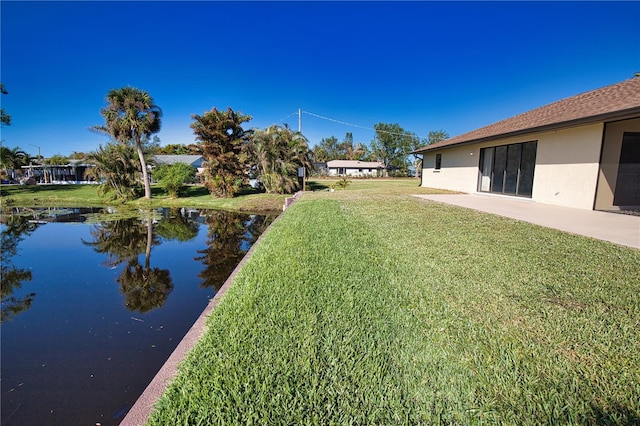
(606, 117)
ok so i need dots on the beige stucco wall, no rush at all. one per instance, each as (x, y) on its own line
(566, 171)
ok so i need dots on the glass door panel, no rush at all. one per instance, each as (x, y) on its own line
(499, 168)
(485, 169)
(513, 166)
(527, 167)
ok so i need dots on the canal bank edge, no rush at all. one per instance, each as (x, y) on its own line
(144, 405)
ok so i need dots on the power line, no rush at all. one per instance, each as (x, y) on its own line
(351, 124)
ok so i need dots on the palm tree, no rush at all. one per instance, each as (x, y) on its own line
(223, 140)
(11, 159)
(116, 167)
(131, 117)
(277, 153)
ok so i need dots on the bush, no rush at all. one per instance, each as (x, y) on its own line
(173, 177)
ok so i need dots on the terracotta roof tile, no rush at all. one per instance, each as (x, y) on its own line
(608, 102)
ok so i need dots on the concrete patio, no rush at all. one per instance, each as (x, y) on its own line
(617, 228)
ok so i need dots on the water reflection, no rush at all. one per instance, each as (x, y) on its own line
(125, 240)
(76, 353)
(17, 228)
(228, 240)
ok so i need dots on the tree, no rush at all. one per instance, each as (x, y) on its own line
(173, 177)
(435, 136)
(131, 117)
(223, 141)
(116, 166)
(12, 159)
(180, 149)
(5, 118)
(277, 152)
(391, 145)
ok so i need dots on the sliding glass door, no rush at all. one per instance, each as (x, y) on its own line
(508, 169)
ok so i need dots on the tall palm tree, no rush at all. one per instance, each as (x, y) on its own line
(131, 117)
(277, 153)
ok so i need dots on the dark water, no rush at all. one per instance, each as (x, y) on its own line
(91, 308)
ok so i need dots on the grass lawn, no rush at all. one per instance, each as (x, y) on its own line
(367, 306)
(87, 196)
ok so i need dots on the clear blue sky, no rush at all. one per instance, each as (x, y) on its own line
(427, 66)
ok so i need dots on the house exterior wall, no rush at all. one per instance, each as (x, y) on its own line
(353, 171)
(566, 169)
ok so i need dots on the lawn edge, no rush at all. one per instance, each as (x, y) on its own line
(143, 407)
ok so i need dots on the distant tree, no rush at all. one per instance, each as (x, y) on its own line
(391, 145)
(223, 141)
(435, 136)
(5, 119)
(319, 154)
(151, 146)
(116, 167)
(330, 146)
(131, 117)
(78, 155)
(180, 149)
(278, 152)
(173, 177)
(58, 160)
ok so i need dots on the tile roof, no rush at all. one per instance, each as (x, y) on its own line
(620, 100)
(353, 164)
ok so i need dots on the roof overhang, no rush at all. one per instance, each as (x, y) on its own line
(601, 118)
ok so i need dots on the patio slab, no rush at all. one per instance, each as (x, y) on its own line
(617, 228)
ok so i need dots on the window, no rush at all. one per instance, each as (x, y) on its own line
(341, 170)
(438, 161)
(508, 169)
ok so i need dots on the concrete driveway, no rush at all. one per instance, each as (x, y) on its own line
(616, 228)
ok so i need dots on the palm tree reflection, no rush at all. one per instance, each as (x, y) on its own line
(145, 288)
(17, 228)
(230, 237)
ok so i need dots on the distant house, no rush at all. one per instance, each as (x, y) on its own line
(194, 161)
(582, 152)
(76, 171)
(354, 168)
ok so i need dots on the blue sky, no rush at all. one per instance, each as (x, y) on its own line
(427, 66)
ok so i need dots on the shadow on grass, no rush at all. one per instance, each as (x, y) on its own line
(34, 189)
(316, 186)
(616, 415)
(199, 191)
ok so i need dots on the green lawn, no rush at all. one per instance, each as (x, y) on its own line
(367, 306)
(87, 196)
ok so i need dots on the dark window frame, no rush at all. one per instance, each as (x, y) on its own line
(438, 164)
(502, 161)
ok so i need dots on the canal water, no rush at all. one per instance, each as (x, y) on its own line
(94, 301)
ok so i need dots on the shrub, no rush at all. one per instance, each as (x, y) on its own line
(173, 177)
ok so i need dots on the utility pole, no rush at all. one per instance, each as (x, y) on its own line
(299, 120)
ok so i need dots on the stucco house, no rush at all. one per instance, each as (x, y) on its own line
(354, 168)
(582, 152)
